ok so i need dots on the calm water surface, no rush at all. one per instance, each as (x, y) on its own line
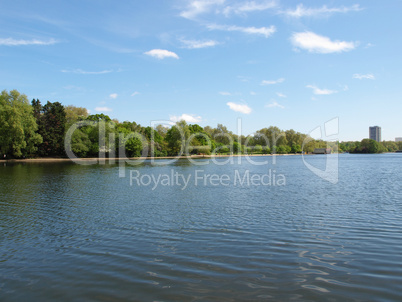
(71, 232)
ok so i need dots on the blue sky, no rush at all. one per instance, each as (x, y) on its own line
(292, 64)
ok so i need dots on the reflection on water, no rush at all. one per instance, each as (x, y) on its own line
(70, 231)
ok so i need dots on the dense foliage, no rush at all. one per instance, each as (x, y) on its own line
(18, 127)
(36, 130)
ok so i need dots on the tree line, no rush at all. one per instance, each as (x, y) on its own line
(29, 130)
(370, 146)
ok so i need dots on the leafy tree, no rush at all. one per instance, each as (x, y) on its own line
(349, 146)
(74, 114)
(162, 130)
(209, 131)
(17, 125)
(271, 137)
(248, 150)
(176, 138)
(237, 147)
(134, 146)
(51, 119)
(266, 150)
(222, 135)
(221, 149)
(283, 149)
(153, 135)
(368, 146)
(257, 149)
(309, 145)
(129, 141)
(37, 109)
(296, 148)
(80, 143)
(201, 141)
(99, 117)
(174, 141)
(390, 146)
(99, 131)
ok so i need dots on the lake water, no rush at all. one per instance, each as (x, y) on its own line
(72, 232)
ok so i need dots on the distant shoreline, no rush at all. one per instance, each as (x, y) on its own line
(116, 159)
(107, 159)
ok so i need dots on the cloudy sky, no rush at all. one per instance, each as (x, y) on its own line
(292, 64)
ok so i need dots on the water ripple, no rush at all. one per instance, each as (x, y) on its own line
(71, 232)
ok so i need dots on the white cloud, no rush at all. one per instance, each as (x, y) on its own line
(368, 76)
(319, 44)
(249, 6)
(135, 93)
(225, 93)
(161, 54)
(189, 118)
(253, 93)
(243, 78)
(113, 95)
(194, 44)
(80, 71)
(14, 42)
(264, 31)
(281, 95)
(274, 104)
(265, 82)
(103, 109)
(319, 91)
(198, 7)
(239, 108)
(302, 11)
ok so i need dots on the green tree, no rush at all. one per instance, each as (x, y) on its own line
(309, 145)
(80, 143)
(283, 149)
(74, 114)
(176, 138)
(52, 126)
(237, 147)
(296, 148)
(99, 134)
(257, 149)
(272, 137)
(200, 142)
(266, 150)
(349, 146)
(154, 141)
(222, 135)
(390, 146)
(99, 117)
(369, 146)
(17, 125)
(130, 142)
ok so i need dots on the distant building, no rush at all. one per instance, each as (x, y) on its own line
(322, 151)
(375, 133)
(398, 139)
